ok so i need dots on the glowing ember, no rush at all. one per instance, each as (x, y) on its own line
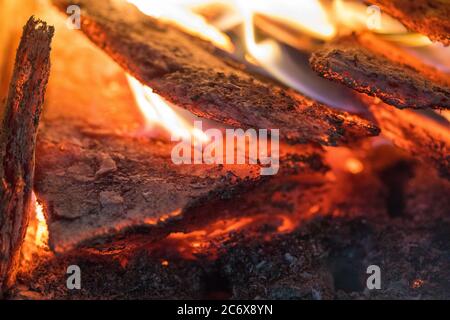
(287, 224)
(308, 15)
(194, 243)
(354, 166)
(205, 242)
(417, 283)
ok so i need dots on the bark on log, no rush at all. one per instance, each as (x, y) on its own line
(424, 16)
(20, 124)
(372, 66)
(193, 74)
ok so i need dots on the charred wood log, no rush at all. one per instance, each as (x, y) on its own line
(427, 17)
(20, 125)
(193, 74)
(374, 67)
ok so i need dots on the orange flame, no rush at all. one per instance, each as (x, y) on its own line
(41, 239)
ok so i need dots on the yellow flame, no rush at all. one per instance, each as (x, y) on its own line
(41, 239)
(36, 237)
(358, 16)
(157, 111)
(154, 108)
(309, 16)
(179, 13)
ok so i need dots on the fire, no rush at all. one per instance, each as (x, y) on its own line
(179, 13)
(41, 239)
(194, 243)
(154, 108)
(206, 241)
(191, 244)
(357, 16)
(417, 283)
(157, 111)
(36, 237)
(308, 16)
(287, 224)
(311, 17)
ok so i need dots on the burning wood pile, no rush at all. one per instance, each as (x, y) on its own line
(134, 179)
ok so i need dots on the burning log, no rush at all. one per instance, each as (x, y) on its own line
(416, 133)
(427, 17)
(372, 66)
(98, 174)
(193, 74)
(94, 185)
(324, 255)
(20, 124)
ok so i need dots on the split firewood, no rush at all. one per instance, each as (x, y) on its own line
(423, 137)
(20, 124)
(193, 74)
(424, 16)
(375, 67)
